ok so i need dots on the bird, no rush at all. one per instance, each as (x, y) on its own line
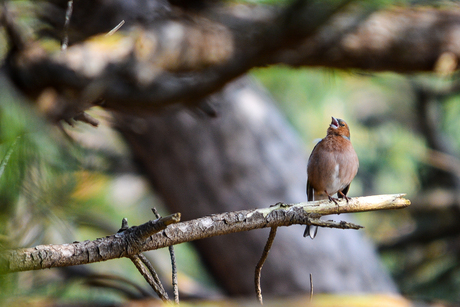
(332, 165)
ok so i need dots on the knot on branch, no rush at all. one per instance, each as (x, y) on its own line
(135, 236)
(311, 217)
(133, 241)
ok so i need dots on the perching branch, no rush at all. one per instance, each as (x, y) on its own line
(139, 239)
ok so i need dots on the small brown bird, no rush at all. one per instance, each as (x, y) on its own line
(332, 166)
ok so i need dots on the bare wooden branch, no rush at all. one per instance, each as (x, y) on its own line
(138, 239)
(123, 244)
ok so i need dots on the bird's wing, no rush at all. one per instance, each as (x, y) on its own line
(309, 191)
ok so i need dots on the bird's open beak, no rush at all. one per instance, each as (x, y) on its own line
(334, 123)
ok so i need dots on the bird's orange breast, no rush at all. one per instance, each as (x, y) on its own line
(332, 165)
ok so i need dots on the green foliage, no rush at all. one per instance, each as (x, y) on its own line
(24, 141)
(53, 190)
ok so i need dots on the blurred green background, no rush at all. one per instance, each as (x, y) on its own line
(418, 245)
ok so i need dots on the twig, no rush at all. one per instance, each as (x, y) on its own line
(140, 261)
(333, 224)
(271, 238)
(152, 270)
(117, 27)
(124, 225)
(173, 265)
(148, 277)
(154, 275)
(174, 275)
(68, 15)
(268, 245)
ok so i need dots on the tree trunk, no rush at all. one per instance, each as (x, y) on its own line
(248, 157)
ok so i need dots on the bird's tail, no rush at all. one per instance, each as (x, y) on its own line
(312, 231)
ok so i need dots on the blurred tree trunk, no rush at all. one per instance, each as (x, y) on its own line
(248, 157)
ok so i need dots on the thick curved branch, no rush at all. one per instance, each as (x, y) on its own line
(400, 40)
(121, 244)
(176, 60)
(184, 59)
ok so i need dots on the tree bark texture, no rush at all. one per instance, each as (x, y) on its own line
(249, 156)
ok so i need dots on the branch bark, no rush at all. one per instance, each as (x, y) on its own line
(122, 244)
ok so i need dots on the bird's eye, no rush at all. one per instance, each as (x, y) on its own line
(341, 124)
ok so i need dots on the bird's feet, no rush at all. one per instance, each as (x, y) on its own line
(332, 199)
(344, 196)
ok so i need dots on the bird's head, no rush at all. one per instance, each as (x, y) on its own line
(338, 127)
